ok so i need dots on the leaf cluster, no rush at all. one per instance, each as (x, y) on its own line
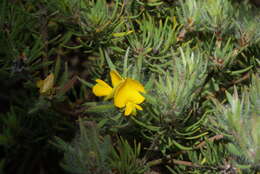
(199, 63)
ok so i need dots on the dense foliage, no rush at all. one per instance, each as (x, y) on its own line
(185, 93)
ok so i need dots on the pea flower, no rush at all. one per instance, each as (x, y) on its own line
(102, 89)
(126, 92)
(46, 85)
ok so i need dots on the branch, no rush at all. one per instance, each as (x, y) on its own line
(216, 137)
(186, 163)
(174, 161)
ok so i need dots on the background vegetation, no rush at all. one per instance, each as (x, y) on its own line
(198, 61)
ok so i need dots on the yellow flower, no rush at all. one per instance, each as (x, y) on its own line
(128, 95)
(131, 108)
(46, 85)
(103, 89)
(126, 92)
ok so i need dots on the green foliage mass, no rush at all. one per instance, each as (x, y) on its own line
(199, 62)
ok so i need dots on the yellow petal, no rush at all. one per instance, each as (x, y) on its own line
(126, 93)
(129, 108)
(111, 95)
(101, 88)
(39, 83)
(47, 83)
(115, 78)
(136, 85)
(138, 107)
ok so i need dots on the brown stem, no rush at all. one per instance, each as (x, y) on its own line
(68, 85)
(245, 77)
(174, 161)
(216, 137)
(186, 163)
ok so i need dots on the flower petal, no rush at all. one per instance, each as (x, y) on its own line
(127, 93)
(101, 88)
(47, 83)
(115, 78)
(129, 108)
(39, 83)
(138, 107)
(136, 85)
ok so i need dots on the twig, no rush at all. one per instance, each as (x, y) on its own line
(246, 76)
(186, 163)
(68, 85)
(216, 137)
(174, 161)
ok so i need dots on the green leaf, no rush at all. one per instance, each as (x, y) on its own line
(233, 149)
(101, 108)
(57, 69)
(150, 127)
(90, 85)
